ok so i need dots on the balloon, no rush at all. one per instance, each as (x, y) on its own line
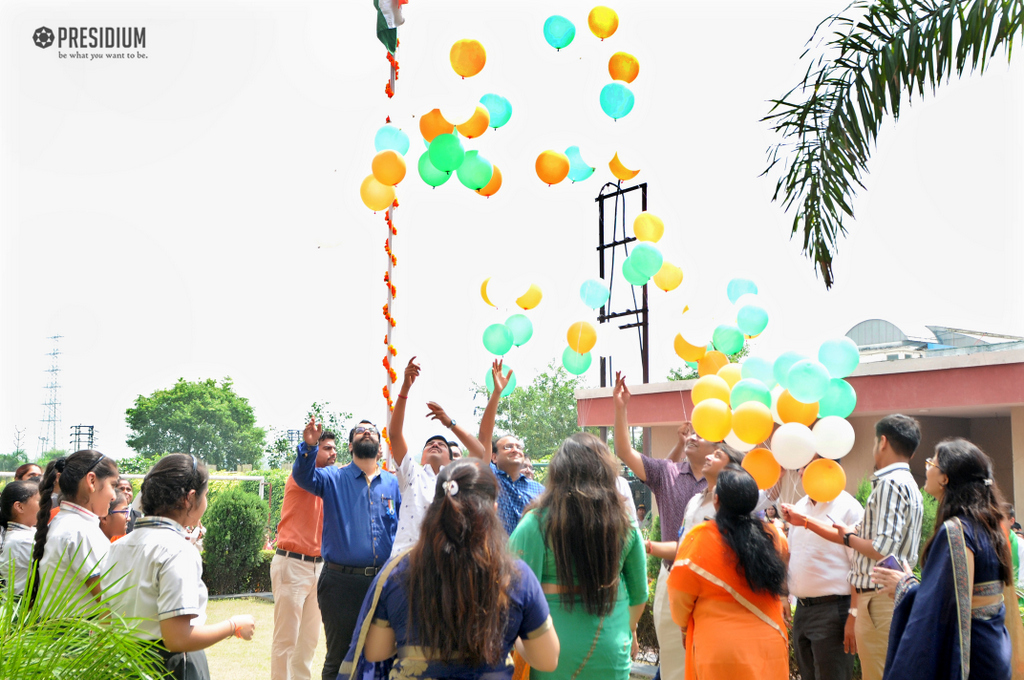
(616, 100)
(388, 167)
(710, 387)
(840, 356)
(603, 22)
(647, 259)
(776, 393)
(839, 400)
(390, 137)
(735, 442)
(648, 227)
(552, 167)
(686, 351)
(621, 171)
(376, 196)
(793, 445)
(760, 369)
(752, 422)
(823, 480)
(531, 298)
(711, 363)
(504, 289)
(793, 411)
(499, 109)
(727, 339)
(668, 277)
(763, 467)
(582, 337)
(623, 66)
(738, 287)
(578, 168)
(489, 380)
(446, 152)
(731, 373)
(630, 273)
(559, 31)
(492, 186)
(434, 124)
(691, 364)
(476, 125)
(475, 171)
(712, 419)
(521, 327)
(483, 292)
(575, 363)
(833, 437)
(498, 339)
(751, 319)
(430, 174)
(782, 366)
(750, 389)
(594, 293)
(808, 381)
(467, 57)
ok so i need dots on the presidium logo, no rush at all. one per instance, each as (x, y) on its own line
(71, 39)
(42, 37)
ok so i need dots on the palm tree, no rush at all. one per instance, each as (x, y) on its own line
(879, 51)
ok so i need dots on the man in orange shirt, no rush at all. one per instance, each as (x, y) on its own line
(294, 573)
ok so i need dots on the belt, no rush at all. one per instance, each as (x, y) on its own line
(825, 599)
(867, 590)
(362, 571)
(299, 556)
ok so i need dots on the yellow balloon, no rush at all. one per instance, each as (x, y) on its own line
(375, 195)
(582, 337)
(710, 387)
(434, 124)
(483, 291)
(732, 374)
(532, 297)
(477, 124)
(711, 363)
(752, 422)
(388, 167)
(603, 22)
(712, 419)
(492, 186)
(823, 480)
(763, 467)
(623, 66)
(668, 277)
(621, 171)
(468, 57)
(688, 352)
(648, 227)
(552, 168)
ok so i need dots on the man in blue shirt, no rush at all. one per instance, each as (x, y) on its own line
(361, 504)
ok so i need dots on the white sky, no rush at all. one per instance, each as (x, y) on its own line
(196, 214)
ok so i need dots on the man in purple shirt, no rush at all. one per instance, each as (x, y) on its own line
(673, 482)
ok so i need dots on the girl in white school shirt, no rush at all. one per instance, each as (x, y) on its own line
(161, 571)
(19, 505)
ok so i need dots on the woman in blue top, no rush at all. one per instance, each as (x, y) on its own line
(455, 604)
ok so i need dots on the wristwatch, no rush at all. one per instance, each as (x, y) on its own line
(853, 612)
(846, 537)
(451, 424)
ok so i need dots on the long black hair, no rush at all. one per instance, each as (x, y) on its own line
(973, 494)
(167, 485)
(750, 539)
(15, 492)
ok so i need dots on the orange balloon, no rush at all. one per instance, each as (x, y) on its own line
(711, 363)
(752, 422)
(532, 297)
(792, 411)
(623, 66)
(388, 167)
(376, 196)
(434, 124)
(552, 167)
(492, 186)
(688, 352)
(763, 467)
(582, 337)
(732, 374)
(823, 480)
(710, 387)
(477, 124)
(468, 57)
(619, 170)
(712, 419)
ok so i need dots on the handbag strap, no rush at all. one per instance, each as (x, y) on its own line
(365, 629)
(962, 590)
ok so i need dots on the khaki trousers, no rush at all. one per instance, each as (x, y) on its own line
(670, 634)
(296, 617)
(874, 615)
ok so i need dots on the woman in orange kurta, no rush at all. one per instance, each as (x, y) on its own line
(726, 590)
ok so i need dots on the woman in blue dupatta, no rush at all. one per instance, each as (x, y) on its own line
(951, 624)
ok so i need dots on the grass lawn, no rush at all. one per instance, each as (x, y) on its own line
(235, 659)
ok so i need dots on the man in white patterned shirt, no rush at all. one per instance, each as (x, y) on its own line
(891, 526)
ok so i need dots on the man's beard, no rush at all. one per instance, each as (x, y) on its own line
(364, 449)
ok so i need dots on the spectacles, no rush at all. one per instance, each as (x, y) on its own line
(120, 512)
(360, 429)
(930, 463)
(513, 447)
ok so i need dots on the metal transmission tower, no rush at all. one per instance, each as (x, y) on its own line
(51, 407)
(82, 437)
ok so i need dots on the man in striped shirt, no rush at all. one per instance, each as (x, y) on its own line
(891, 526)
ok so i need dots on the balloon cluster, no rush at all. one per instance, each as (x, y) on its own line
(500, 292)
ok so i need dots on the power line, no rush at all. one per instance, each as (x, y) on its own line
(51, 407)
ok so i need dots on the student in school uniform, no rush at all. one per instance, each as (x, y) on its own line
(115, 525)
(161, 572)
(19, 505)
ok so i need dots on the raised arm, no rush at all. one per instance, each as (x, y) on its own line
(491, 412)
(676, 454)
(472, 444)
(304, 469)
(623, 449)
(396, 430)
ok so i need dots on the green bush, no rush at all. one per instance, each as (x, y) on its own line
(234, 536)
(273, 492)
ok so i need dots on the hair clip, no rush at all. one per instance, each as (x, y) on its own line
(988, 482)
(451, 487)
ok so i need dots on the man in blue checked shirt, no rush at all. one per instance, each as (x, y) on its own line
(361, 505)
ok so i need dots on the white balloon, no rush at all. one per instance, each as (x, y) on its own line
(504, 289)
(793, 445)
(735, 442)
(833, 437)
(776, 391)
(458, 107)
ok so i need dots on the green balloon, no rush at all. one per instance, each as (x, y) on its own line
(647, 259)
(521, 327)
(631, 274)
(692, 364)
(446, 152)
(430, 174)
(782, 366)
(499, 108)
(498, 339)
(840, 356)
(756, 367)
(751, 319)
(475, 171)
(808, 381)
(750, 389)
(489, 381)
(575, 363)
(727, 339)
(840, 399)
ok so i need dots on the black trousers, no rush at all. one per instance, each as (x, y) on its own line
(818, 641)
(340, 597)
(185, 665)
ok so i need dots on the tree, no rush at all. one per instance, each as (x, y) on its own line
(205, 419)
(336, 423)
(691, 373)
(9, 462)
(879, 49)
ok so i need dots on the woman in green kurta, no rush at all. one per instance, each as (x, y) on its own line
(588, 554)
